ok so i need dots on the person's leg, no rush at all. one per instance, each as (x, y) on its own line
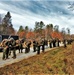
(7, 53)
(14, 53)
(38, 51)
(19, 48)
(4, 54)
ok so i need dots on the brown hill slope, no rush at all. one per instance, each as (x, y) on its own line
(57, 61)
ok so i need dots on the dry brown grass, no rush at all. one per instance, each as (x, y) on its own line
(57, 61)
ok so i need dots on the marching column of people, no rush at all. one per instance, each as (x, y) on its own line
(13, 45)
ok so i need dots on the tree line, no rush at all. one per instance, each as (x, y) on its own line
(40, 30)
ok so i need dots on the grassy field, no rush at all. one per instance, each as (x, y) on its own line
(56, 61)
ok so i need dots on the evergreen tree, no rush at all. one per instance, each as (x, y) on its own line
(7, 19)
(26, 28)
(41, 24)
(7, 27)
(49, 29)
(36, 29)
(56, 28)
(68, 31)
(21, 29)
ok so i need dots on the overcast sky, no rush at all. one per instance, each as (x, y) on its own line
(27, 12)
